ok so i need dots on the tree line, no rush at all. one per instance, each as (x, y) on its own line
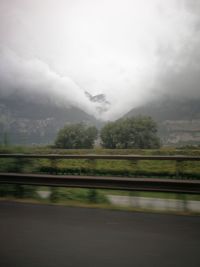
(135, 132)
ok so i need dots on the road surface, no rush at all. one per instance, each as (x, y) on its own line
(55, 236)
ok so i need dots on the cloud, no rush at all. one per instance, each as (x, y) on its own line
(35, 81)
(133, 51)
(178, 71)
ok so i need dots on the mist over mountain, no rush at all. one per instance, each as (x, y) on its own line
(25, 121)
(169, 109)
(131, 51)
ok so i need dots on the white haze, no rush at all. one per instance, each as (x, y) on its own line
(133, 51)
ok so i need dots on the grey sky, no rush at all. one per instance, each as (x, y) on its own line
(131, 50)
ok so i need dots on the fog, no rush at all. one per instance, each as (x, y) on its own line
(133, 51)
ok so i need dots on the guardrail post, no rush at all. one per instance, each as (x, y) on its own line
(179, 167)
(54, 168)
(134, 165)
(92, 165)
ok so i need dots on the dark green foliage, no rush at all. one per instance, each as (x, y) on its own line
(6, 190)
(92, 195)
(30, 191)
(76, 136)
(96, 196)
(15, 165)
(18, 191)
(55, 195)
(24, 191)
(77, 194)
(136, 132)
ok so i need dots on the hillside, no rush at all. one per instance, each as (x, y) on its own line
(23, 121)
(178, 120)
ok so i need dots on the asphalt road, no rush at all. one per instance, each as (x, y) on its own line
(53, 236)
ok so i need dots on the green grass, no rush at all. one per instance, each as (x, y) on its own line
(99, 150)
(143, 168)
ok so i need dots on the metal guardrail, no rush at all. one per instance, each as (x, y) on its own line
(120, 183)
(135, 184)
(108, 157)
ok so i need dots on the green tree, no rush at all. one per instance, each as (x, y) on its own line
(76, 136)
(135, 132)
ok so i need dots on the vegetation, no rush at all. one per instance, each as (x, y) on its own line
(18, 191)
(74, 194)
(93, 197)
(57, 194)
(141, 168)
(76, 136)
(136, 132)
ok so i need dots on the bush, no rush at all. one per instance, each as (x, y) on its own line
(136, 132)
(76, 136)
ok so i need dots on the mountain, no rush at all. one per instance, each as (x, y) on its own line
(178, 120)
(169, 109)
(23, 121)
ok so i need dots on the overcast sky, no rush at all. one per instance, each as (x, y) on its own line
(133, 51)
